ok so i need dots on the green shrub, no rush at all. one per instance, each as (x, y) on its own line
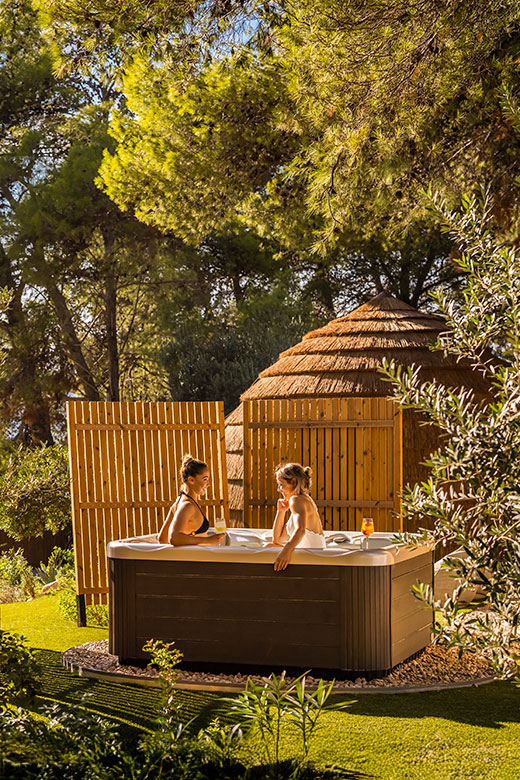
(472, 493)
(77, 744)
(97, 614)
(61, 558)
(35, 491)
(60, 561)
(16, 577)
(74, 744)
(18, 670)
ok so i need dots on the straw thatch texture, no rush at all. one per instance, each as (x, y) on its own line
(342, 359)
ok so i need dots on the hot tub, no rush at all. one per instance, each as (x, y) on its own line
(341, 608)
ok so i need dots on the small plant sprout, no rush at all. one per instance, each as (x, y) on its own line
(277, 703)
(222, 738)
(167, 658)
(306, 708)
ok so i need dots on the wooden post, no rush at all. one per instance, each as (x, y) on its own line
(81, 610)
(247, 463)
(75, 496)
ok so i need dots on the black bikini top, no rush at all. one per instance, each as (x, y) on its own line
(205, 522)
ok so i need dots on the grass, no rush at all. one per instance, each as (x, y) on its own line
(465, 734)
(42, 624)
(46, 630)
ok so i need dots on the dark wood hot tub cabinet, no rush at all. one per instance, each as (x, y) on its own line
(359, 619)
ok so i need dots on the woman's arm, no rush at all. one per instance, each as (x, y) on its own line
(179, 535)
(299, 514)
(179, 539)
(163, 534)
(280, 535)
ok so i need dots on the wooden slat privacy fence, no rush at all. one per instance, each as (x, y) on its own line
(353, 445)
(124, 465)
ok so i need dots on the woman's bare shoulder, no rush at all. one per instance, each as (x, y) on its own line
(299, 503)
(185, 511)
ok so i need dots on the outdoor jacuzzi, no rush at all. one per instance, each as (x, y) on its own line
(341, 608)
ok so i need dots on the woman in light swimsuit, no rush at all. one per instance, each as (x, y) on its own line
(303, 528)
(185, 522)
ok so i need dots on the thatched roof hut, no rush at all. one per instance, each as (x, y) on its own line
(342, 359)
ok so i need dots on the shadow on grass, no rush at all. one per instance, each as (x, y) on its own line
(131, 705)
(492, 705)
(285, 770)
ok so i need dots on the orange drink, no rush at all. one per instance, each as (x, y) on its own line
(367, 526)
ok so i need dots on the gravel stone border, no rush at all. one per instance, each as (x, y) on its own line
(435, 668)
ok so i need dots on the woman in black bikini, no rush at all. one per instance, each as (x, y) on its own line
(185, 522)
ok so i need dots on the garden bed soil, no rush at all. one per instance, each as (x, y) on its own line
(434, 667)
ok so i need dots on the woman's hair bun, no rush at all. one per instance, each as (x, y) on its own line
(295, 471)
(191, 467)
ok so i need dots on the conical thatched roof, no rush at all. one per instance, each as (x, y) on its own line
(342, 359)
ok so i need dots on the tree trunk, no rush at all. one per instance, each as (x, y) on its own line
(421, 277)
(37, 424)
(35, 417)
(71, 342)
(404, 280)
(110, 299)
(237, 289)
(322, 288)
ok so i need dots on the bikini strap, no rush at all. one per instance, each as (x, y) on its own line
(182, 493)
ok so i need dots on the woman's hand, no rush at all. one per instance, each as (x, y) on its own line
(217, 539)
(282, 505)
(210, 540)
(283, 560)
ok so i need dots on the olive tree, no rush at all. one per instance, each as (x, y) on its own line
(473, 492)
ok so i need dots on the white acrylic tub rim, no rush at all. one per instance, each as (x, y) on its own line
(382, 551)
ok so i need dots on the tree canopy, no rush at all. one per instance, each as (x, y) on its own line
(318, 123)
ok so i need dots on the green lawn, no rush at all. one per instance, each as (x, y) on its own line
(466, 734)
(42, 624)
(471, 733)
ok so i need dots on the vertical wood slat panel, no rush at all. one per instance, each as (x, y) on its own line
(181, 442)
(114, 466)
(93, 515)
(86, 454)
(398, 462)
(348, 463)
(359, 412)
(351, 469)
(97, 413)
(75, 480)
(149, 466)
(328, 463)
(246, 407)
(343, 469)
(220, 445)
(209, 438)
(205, 442)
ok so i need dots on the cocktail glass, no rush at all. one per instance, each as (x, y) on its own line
(367, 528)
